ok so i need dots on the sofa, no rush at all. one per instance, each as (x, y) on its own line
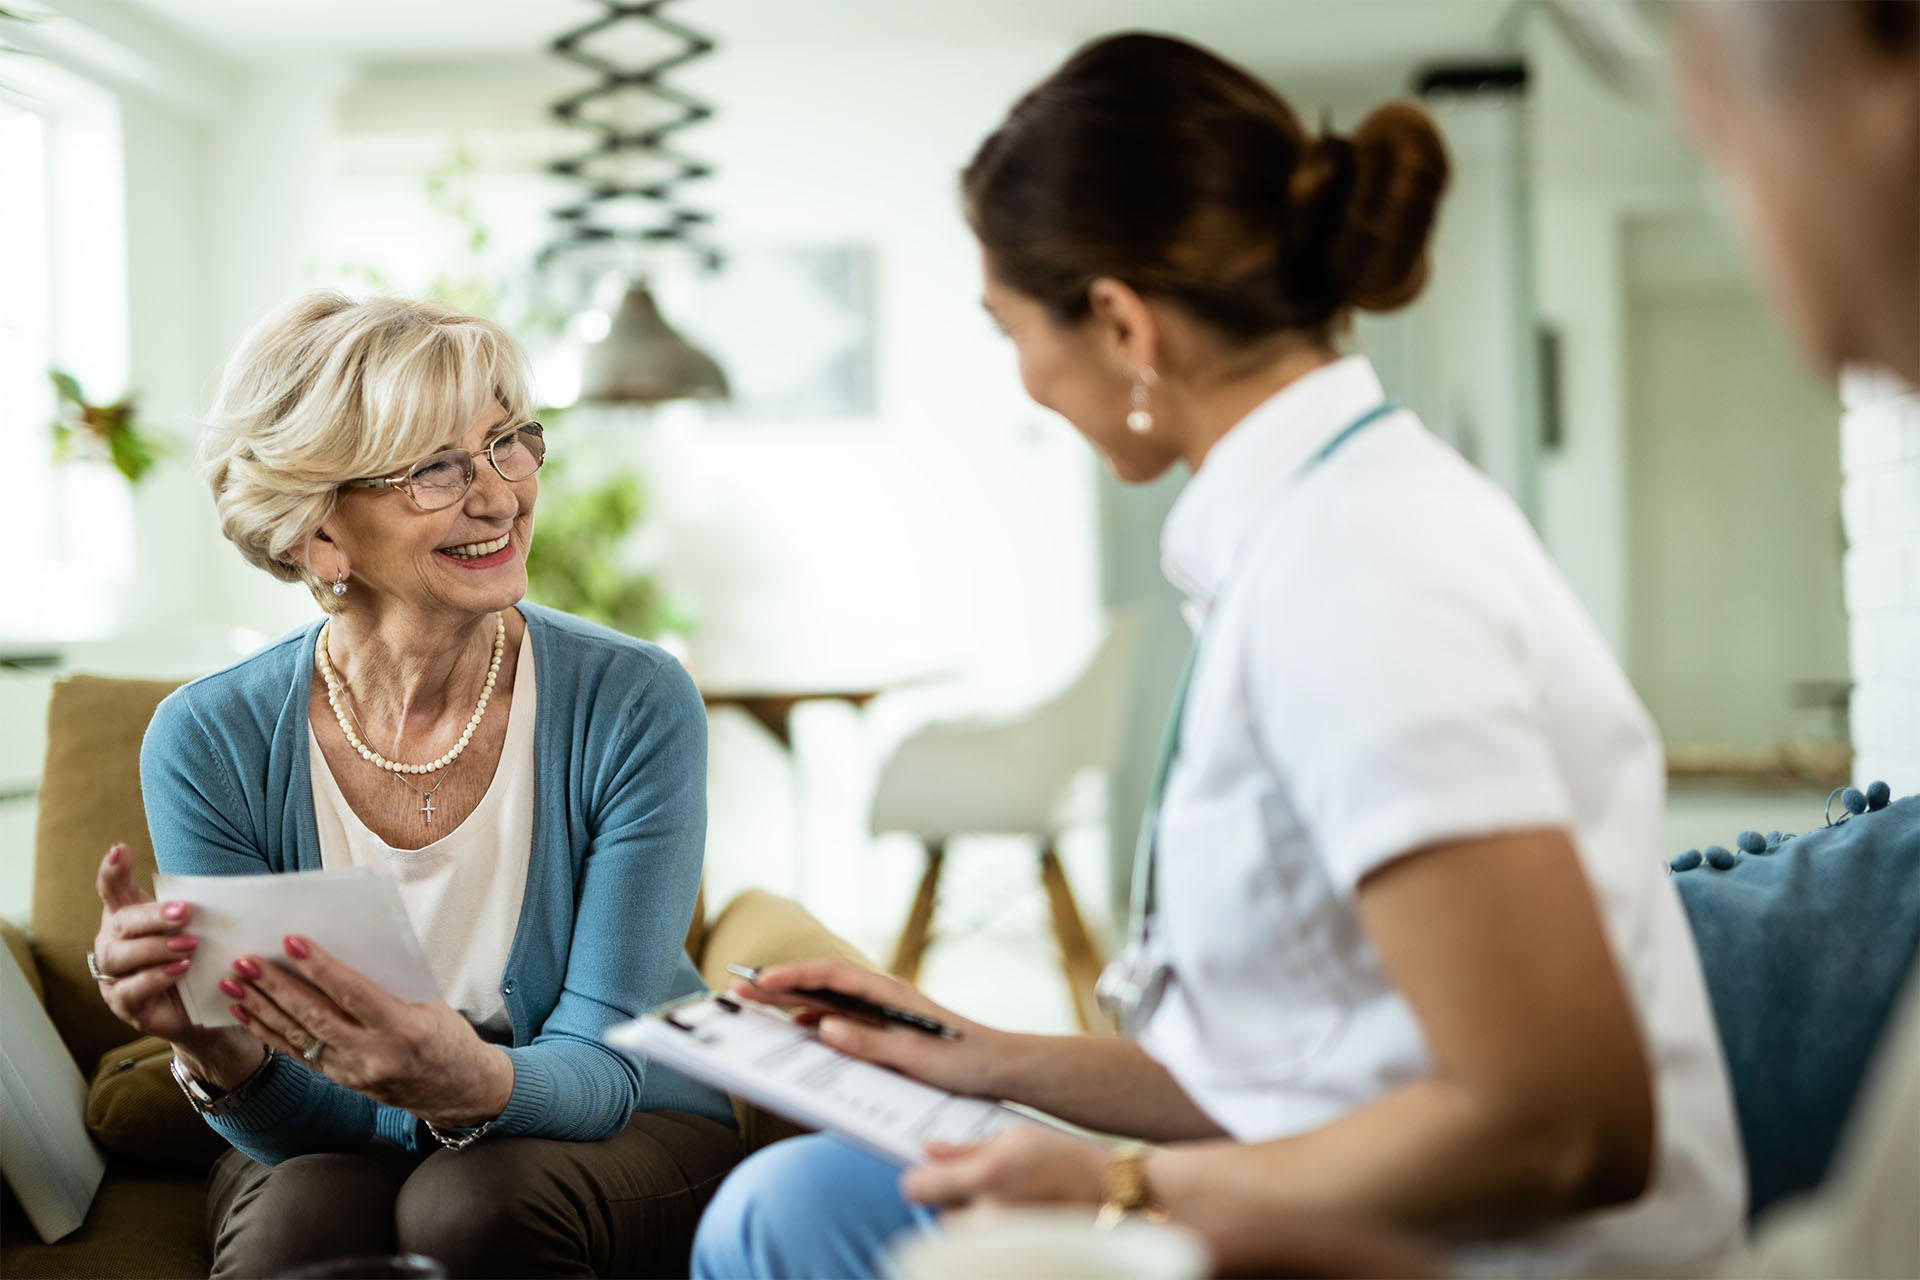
(147, 1218)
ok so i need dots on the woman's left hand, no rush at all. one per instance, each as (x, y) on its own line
(1021, 1166)
(423, 1058)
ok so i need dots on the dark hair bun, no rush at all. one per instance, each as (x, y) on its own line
(1377, 259)
(1154, 162)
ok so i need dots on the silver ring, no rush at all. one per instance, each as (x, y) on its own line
(93, 967)
(311, 1054)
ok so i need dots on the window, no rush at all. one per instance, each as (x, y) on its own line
(67, 528)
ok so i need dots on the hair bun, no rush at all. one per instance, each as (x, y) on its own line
(1399, 171)
(1318, 194)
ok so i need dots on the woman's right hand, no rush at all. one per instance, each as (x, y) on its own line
(144, 948)
(967, 1065)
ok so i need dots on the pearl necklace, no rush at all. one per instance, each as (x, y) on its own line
(336, 698)
(426, 797)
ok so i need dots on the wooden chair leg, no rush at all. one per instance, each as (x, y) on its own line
(912, 946)
(1080, 957)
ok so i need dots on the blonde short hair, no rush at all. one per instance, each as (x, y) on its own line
(329, 389)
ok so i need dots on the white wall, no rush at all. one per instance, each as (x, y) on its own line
(1880, 452)
(1734, 495)
(1462, 355)
(1597, 160)
(954, 532)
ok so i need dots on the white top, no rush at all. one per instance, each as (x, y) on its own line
(462, 892)
(1390, 660)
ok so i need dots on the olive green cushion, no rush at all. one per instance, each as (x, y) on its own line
(135, 1109)
(756, 929)
(144, 1222)
(89, 800)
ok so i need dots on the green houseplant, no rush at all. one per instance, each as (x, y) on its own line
(577, 561)
(81, 426)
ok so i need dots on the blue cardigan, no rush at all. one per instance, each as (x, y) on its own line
(619, 831)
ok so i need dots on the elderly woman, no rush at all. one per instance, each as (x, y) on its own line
(534, 784)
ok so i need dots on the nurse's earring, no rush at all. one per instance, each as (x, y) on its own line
(1140, 421)
(340, 584)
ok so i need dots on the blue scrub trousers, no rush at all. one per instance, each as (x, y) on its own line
(809, 1208)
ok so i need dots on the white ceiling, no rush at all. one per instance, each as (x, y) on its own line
(1299, 34)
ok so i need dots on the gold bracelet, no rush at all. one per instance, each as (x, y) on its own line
(1123, 1189)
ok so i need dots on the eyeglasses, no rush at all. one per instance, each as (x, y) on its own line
(442, 479)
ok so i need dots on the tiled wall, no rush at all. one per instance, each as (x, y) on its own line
(1880, 455)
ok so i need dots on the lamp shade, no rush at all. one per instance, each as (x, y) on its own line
(643, 361)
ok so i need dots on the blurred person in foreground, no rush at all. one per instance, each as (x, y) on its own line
(546, 830)
(1810, 112)
(1412, 951)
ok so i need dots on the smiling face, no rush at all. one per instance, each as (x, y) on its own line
(466, 560)
(1075, 371)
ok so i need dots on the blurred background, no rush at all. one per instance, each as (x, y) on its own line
(874, 531)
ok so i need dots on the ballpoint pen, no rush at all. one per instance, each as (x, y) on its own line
(855, 1005)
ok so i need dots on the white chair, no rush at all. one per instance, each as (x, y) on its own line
(1010, 775)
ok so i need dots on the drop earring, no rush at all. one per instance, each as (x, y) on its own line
(1140, 421)
(340, 584)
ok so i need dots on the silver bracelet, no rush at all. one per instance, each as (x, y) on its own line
(460, 1143)
(209, 1100)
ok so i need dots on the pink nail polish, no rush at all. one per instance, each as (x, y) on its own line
(182, 942)
(242, 1014)
(296, 946)
(233, 988)
(116, 855)
(178, 967)
(247, 968)
(174, 910)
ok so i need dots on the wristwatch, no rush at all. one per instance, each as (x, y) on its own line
(208, 1100)
(1123, 1189)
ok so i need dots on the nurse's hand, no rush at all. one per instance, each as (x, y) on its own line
(421, 1057)
(1037, 1167)
(1020, 1166)
(970, 1064)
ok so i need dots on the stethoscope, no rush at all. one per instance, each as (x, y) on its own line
(1130, 987)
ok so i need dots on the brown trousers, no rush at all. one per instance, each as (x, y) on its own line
(623, 1206)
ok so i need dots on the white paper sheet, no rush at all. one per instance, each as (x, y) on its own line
(355, 913)
(775, 1063)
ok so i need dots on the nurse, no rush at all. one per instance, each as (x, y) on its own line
(1405, 949)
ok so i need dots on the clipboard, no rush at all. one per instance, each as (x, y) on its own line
(772, 1061)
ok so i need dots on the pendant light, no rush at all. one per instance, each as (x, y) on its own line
(642, 359)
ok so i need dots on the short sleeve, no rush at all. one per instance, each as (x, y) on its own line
(1394, 694)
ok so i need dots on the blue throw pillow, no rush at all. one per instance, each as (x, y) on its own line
(1805, 941)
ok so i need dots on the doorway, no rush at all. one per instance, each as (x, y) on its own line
(1737, 625)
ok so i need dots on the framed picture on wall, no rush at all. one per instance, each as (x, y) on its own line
(793, 328)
